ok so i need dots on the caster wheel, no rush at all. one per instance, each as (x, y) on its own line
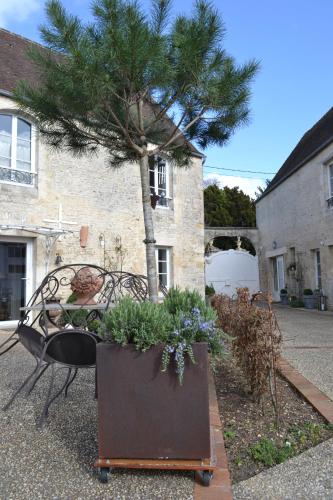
(103, 474)
(206, 477)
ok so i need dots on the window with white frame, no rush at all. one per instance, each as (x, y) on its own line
(318, 269)
(159, 180)
(16, 150)
(330, 186)
(163, 266)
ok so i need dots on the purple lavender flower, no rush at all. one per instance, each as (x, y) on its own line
(170, 349)
(196, 311)
(204, 326)
(187, 322)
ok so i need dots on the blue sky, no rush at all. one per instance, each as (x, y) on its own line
(293, 42)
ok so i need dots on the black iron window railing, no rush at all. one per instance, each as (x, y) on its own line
(16, 176)
(330, 202)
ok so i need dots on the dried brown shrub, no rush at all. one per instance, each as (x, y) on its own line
(256, 338)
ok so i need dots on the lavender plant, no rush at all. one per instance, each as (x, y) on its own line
(182, 320)
(189, 327)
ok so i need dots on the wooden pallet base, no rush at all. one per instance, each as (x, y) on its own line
(205, 464)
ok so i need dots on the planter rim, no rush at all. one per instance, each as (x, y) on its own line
(109, 342)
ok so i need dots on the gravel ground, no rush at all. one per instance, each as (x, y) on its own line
(308, 344)
(308, 477)
(56, 462)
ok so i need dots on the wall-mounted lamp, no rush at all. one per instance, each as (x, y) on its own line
(58, 260)
(101, 240)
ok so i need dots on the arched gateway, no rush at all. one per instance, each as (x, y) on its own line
(227, 270)
(250, 233)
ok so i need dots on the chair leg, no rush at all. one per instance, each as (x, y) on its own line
(32, 386)
(43, 415)
(70, 382)
(50, 400)
(10, 339)
(39, 362)
(27, 380)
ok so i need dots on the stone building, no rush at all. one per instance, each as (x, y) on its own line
(58, 209)
(295, 218)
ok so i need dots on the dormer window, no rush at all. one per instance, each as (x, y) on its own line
(16, 150)
(159, 181)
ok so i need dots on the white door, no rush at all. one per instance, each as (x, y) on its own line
(228, 270)
(15, 278)
(279, 282)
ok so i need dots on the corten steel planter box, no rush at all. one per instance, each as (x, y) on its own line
(310, 301)
(144, 413)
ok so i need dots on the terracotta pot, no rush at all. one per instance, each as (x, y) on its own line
(85, 284)
(144, 413)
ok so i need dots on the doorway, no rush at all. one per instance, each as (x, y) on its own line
(15, 279)
(278, 274)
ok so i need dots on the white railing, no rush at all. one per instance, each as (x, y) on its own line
(16, 176)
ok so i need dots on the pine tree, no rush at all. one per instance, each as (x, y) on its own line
(138, 85)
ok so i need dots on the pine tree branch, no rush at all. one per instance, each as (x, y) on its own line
(174, 136)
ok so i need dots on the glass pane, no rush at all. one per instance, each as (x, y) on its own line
(4, 162)
(5, 150)
(275, 274)
(162, 267)
(152, 178)
(23, 151)
(22, 165)
(5, 125)
(23, 130)
(12, 286)
(162, 254)
(161, 169)
(163, 279)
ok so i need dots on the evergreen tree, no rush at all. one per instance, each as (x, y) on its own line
(118, 82)
(228, 207)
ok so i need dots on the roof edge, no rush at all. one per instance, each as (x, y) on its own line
(7, 93)
(298, 166)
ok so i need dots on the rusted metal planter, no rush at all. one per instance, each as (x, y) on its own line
(146, 414)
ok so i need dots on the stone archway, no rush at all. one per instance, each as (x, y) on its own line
(250, 233)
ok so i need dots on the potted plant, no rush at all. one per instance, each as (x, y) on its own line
(152, 378)
(209, 293)
(310, 300)
(284, 296)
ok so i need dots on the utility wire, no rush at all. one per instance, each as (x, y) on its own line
(238, 170)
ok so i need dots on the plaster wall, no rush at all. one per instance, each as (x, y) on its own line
(294, 220)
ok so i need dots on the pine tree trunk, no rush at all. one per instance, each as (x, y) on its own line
(149, 230)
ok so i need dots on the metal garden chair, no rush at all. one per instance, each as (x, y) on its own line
(52, 322)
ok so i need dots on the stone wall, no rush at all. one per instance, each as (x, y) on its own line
(109, 202)
(294, 220)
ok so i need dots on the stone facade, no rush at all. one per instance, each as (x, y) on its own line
(296, 222)
(109, 202)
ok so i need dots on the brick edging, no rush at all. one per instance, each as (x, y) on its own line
(220, 486)
(322, 403)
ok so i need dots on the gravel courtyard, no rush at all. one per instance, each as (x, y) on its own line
(308, 344)
(56, 462)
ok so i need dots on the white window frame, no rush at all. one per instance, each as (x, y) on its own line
(330, 185)
(167, 183)
(14, 148)
(168, 273)
(316, 253)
